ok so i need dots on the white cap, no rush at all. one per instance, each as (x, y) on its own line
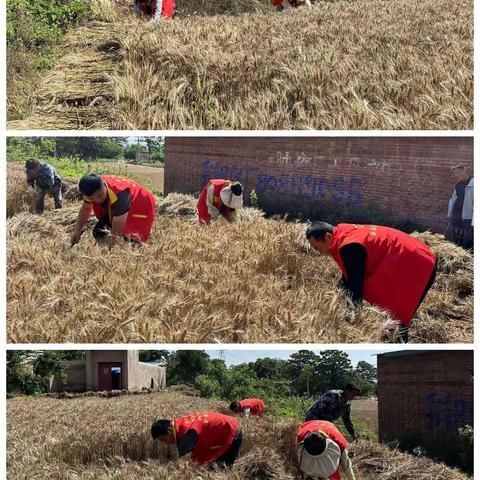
(322, 465)
(230, 199)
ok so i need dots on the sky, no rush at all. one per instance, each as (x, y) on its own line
(235, 357)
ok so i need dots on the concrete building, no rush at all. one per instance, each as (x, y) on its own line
(111, 370)
(424, 397)
(359, 179)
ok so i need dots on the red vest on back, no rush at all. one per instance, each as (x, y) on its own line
(168, 6)
(142, 212)
(328, 429)
(256, 406)
(216, 433)
(218, 184)
(398, 266)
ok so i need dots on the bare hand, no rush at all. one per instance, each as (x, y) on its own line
(75, 238)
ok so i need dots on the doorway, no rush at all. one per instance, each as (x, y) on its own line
(110, 376)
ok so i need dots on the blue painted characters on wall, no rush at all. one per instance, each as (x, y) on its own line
(339, 189)
(445, 412)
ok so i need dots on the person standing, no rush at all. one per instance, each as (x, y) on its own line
(45, 179)
(460, 208)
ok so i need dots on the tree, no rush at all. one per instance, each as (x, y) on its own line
(269, 368)
(31, 371)
(366, 371)
(302, 370)
(335, 369)
(47, 365)
(73, 354)
(185, 365)
(162, 356)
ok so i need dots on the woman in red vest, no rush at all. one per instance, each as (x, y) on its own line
(249, 406)
(322, 451)
(220, 198)
(156, 9)
(384, 266)
(122, 206)
(208, 437)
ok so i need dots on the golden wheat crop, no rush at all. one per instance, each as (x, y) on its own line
(99, 438)
(368, 64)
(253, 281)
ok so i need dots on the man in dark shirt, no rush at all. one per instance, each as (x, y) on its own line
(335, 404)
(460, 208)
(46, 181)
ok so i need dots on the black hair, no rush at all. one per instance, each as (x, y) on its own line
(237, 188)
(31, 163)
(234, 406)
(315, 443)
(90, 183)
(350, 386)
(318, 230)
(160, 427)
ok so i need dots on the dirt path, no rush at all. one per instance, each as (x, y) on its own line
(153, 176)
(367, 412)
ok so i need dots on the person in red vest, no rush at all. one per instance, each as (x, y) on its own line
(280, 5)
(122, 206)
(155, 9)
(249, 406)
(209, 437)
(322, 451)
(384, 266)
(220, 198)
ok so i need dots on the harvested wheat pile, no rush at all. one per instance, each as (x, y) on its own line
(368, 64)
(45, 439)
(253, 281)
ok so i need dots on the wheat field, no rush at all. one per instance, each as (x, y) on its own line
(366, 64)
(251, 282)
(98, 438)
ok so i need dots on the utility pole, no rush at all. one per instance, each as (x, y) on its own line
(221, 354)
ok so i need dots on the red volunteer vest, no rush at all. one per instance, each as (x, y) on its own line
(202, 207)
(398, 266)
(216, 433)
(256, 406)
(168, 6)
(328, 429)
(142, 212)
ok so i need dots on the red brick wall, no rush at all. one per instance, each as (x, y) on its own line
(406, 177)
(425, 398)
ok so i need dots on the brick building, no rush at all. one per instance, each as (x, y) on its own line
(339, 179)
(110, 370)
(424, 397)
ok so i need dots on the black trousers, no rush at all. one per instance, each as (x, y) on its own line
(431, 280)
(102, 229)
(229, 457)
(462, 231)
